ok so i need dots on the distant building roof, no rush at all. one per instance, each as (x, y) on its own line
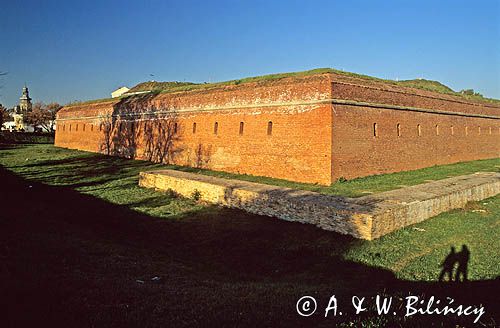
(118, 92)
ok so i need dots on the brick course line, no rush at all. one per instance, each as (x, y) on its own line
(419, 95)
(333, 101)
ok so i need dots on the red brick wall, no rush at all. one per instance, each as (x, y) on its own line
(357, 152)
(299, 147)
(71, 133)
(312, 140)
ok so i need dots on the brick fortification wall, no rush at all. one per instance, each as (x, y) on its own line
(416, 130)
(309, 129)
(278, 129)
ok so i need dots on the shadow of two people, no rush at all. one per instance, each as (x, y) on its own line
(461, 258)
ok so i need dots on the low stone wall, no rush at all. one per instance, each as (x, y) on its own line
(393, 210)
(367, 217)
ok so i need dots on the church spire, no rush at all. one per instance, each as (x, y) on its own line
(25, 100)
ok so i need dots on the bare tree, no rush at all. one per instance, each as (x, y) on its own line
(4, 115)
(43, 115)
(51, 113)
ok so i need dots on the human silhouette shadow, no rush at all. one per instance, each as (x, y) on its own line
(448, 265)
(463, 262)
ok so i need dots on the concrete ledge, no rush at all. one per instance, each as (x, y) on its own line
(367, 217)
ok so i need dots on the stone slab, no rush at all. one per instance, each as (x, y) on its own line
(366, 217)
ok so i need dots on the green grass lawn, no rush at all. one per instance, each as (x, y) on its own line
(75, 226)
(115, 180)
(109, 178)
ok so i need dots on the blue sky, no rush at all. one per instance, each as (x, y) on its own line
(68, 50)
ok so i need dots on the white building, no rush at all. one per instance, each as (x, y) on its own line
(118, 92)
(10, 126)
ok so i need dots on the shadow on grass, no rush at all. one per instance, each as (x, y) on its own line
(73, 260)
(88, 169)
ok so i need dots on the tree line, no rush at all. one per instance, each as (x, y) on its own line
(41, 115)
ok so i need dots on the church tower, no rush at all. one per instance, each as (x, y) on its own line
(25, 101)
(22, 109)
